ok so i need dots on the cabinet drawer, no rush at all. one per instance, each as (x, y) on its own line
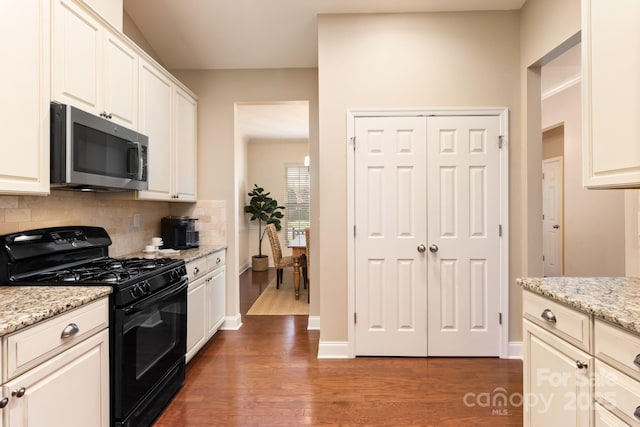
(31, 346)
(618, 348)
(617, 392)
(605, 418)
(565, 322)
(197, 268)
(216, 259)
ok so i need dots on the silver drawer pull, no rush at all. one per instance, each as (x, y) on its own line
(218, 260)
(581, 365)
(4, 402)
(70, 330)
(636, 413)
(196, 270)
(548, 316)
(636, 361)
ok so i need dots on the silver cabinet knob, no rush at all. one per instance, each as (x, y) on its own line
(548, 316)
(433, 248)
(70, 330)
(421, 248)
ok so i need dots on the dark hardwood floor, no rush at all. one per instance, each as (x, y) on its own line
(267, 374)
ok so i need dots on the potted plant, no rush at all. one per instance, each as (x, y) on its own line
(265, 210)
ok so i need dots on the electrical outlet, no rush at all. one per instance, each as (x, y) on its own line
(137, 221)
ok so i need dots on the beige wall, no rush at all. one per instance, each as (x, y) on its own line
(545, 25)
(266, 167)
(218, 92)
(553, 142)
(401, 61)
(594, 235)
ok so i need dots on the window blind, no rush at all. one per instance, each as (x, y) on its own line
(297, 209)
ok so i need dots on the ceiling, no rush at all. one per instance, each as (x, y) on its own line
(233, 34)
(257, 34)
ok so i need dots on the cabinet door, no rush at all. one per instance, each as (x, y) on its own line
(77, 57)
(71, 389)
(557, 389)
(185, 137)
(155, 122)
(25, 88)
(216, 301)
(196, 316)
(120, 81)
(611, 93)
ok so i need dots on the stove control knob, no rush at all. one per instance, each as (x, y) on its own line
(146, 287)
(137, 291)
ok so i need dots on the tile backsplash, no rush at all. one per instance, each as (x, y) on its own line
(116, 216)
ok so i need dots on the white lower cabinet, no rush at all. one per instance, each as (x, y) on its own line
(578, 371)
(205, 300)
(61, 378)
(556, 380)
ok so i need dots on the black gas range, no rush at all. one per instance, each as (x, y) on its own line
(147, 317)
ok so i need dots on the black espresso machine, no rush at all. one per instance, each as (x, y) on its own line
(180, 232)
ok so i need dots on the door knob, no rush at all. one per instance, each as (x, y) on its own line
(421, 248)
(556, 226)
(433, 248)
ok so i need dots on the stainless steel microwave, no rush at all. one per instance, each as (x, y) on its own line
(92, 153)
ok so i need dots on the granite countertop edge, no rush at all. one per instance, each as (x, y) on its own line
(188, 255)
(22, 306)
(613, 299)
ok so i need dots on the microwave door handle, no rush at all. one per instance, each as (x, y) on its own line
(140, 161)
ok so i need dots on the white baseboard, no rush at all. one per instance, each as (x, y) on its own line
(515, 350)
(232, 323)
(333, 350)
(314, 323)
(245, 267)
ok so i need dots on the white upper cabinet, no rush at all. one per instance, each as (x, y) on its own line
(155, 105)
(185, 146)
(611, 93)
(94, 68)
(120, 81)
(24, 114)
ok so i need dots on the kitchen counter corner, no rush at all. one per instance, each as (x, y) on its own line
(614, 299)
(22, 306)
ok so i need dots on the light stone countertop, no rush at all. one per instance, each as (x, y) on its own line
(187, 255)
(614, 299)
(22, 306)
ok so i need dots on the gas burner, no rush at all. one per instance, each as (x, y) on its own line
(67, 276)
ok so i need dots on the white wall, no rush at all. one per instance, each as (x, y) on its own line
(266, 167)
(219, 91)
(395, 61)
(594, 236)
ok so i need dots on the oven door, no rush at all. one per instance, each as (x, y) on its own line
(149, 341)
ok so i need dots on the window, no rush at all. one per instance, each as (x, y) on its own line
(296, 212)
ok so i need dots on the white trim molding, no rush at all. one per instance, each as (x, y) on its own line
(232, 323)
(515, 350)
(313, 324)
(333, 350)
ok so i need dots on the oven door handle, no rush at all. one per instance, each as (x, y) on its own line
(142, 305)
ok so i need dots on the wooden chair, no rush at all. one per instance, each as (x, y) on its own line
(279, 261)
(307, 232)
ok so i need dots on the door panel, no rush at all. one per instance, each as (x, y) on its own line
(552, 183)
(390, 210)
(451, 307)
(463, 218)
